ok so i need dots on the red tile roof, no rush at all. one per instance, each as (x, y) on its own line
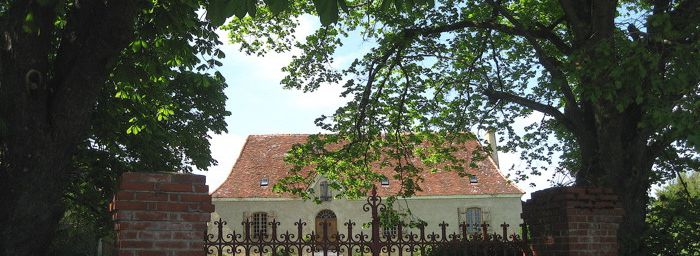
(262, 156)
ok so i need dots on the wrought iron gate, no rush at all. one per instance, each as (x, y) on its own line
(374, 243)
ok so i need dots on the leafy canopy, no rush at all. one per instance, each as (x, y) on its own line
(439, 70)
(674, 218)
(162, 99)
(148, 97)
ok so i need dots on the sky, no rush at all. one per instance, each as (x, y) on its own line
(259, 105)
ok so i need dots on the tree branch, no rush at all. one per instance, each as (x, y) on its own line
(540, 33)
(551, 64)
(661, 143)
(375, 67)
(525, 102)
(576, 24)
(686, 192)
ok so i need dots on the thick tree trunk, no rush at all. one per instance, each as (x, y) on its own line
(613, 149)
(31, 168)
(632, 191)
(45, 108)
(620, 151)
(31, 198)
(631, 182)
(633, 226)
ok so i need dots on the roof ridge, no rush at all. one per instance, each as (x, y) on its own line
(280, 134)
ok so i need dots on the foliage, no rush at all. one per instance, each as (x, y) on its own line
(78, 235)
(91, 89)
(155, 112)
(462, 66)
(395, 214)
(617, 84)
(674, 218)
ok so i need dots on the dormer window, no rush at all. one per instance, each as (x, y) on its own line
(385, 181)
(473, 179)
(264, 182)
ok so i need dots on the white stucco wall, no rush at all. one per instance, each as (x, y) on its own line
(496, 209)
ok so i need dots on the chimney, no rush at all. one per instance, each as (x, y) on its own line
(492, 143)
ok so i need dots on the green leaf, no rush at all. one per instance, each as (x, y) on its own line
(344, 6)
(29, 24)
(386, 5)
(409, 4)
(135, 47)
(251, 7)
(398, 5)
(277, 6)
(327, 11)
(218, 11)
(694, 140)
(239, 8)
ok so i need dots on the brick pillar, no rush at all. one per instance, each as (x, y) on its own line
(573, 221)
(161, 214)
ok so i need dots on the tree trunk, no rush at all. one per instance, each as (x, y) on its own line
(32, 198)
(633, 227)
(620, 151)
(633, 195)
(631, 183)
(47, 94)
(33, 164)
(613, 146)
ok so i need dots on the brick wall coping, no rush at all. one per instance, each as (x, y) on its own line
(575, 197)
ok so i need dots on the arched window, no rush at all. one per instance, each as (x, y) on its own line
(259, 225)
(474, 219)
(325, 215)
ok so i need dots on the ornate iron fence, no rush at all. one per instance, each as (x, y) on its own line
(374, 243)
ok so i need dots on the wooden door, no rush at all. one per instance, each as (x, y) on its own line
(326, 218)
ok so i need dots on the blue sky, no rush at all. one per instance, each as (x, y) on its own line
(259, 104)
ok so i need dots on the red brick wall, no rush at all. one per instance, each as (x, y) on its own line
(573, 221)
(161, 214)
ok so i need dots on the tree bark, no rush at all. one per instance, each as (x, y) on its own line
(618, 158)
(633, 227)
(614, 153)
(45, 107)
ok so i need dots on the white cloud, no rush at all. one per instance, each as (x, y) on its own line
(326, 98)
(225, 149)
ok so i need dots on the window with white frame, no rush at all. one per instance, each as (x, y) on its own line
(473, 218)
(259, 225)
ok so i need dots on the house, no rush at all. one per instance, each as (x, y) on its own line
(247, 194)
